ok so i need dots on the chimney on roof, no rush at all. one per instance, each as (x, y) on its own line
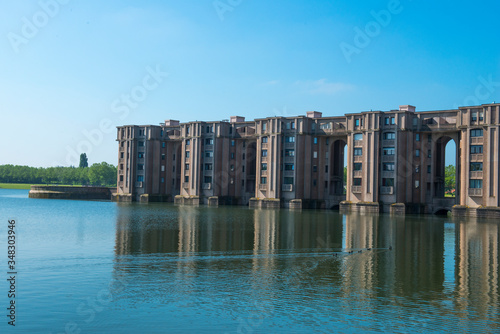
(171, 122)
(236, 119)
(314, 114)
(407, 108)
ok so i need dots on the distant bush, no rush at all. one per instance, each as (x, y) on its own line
(101, 174)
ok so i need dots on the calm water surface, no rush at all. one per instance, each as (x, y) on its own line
(101, 267)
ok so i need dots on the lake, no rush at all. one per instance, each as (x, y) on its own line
(103, 267)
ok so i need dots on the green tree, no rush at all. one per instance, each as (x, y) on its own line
(449, 179)
(84, 162)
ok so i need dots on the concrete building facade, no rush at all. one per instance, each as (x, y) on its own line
(395, 161)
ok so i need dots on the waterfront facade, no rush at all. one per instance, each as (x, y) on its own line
(395, 160)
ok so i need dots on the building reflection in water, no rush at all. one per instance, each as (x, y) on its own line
(266, 251)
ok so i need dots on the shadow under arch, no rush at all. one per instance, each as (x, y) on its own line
(337, 158)
(439, 162)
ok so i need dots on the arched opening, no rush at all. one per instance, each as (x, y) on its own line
(337, 174)
(442, 212)
(446, 168)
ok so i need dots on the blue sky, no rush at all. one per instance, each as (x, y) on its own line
(63, 84)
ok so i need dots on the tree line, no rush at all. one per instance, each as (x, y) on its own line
(99, 174)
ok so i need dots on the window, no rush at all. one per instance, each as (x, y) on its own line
(358, 166)
(289, 166)
(481, 116)
(356, 181)
(315, 155)
(186, 166)
(417, 169)
(188, 141)
(121, 177)
(313, 126)
(358, 136)
(327, 141)
(289, 139)
(315, 140)
(429, 153)
(428, 169)
(288, 180)
(417, 153)
(188, 154)
(356, 122)
(121, 166)
(232, 168)
(141, 155)
(387, 182)
(187, 131)
(474, 116)
(417, 137)
(263, 166)
(230, 130)
(263, 180)
(386, 121)
(209, 154)
(243, 156)
(389, 135)
(232, 155)
(393, 120)
(162, 168)
(208, 166)
(476, 133)
(315, 169)
(264, 126)
(429, 138)
(140, 167)
(232, 142)
(162, 180)
(289, 153)
(415, 121)
(293, 125)
(163, 157)
(121, 155)
(207, 179)
(476, 166)
(141, 144)
(315, 182)
(476, 184)
(388, 151)
(417, 184)
(140, 178)
(388, 166)
(186, 178)
(174, 157)
(326, 169)
(243, 169)
(264, 140)
(264, 153)
(209, 141)
(358, 151)
(288, 126)
(163, 144)
(476, 149)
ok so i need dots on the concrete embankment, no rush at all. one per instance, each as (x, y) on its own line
(77, 193)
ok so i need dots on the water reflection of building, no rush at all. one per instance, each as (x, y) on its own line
(476, 270)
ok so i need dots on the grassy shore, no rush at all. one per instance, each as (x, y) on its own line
(15, 186)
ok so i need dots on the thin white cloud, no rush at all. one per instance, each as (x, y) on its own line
(323, 87)
(271, 83)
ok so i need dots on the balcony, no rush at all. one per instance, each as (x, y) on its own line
(289, 173)
(477, 140)
(388, 142)
(476, 192)
(476, 175)
(263, 187)
(476, 157)
(387, 174)
(264, 159)
(120, 184)
(120, 171)
(209, 147)
(187, 172)
(388, 158)
(287, 187)
(358, 143)
(289, 145)
(358, 173)
(386, 190)
(206, 186)
(289, 159)
(356, 189)
(185, 185)
(358, 158)
(263, 172)
(264, 146)
(209, 159)
(139, 184)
